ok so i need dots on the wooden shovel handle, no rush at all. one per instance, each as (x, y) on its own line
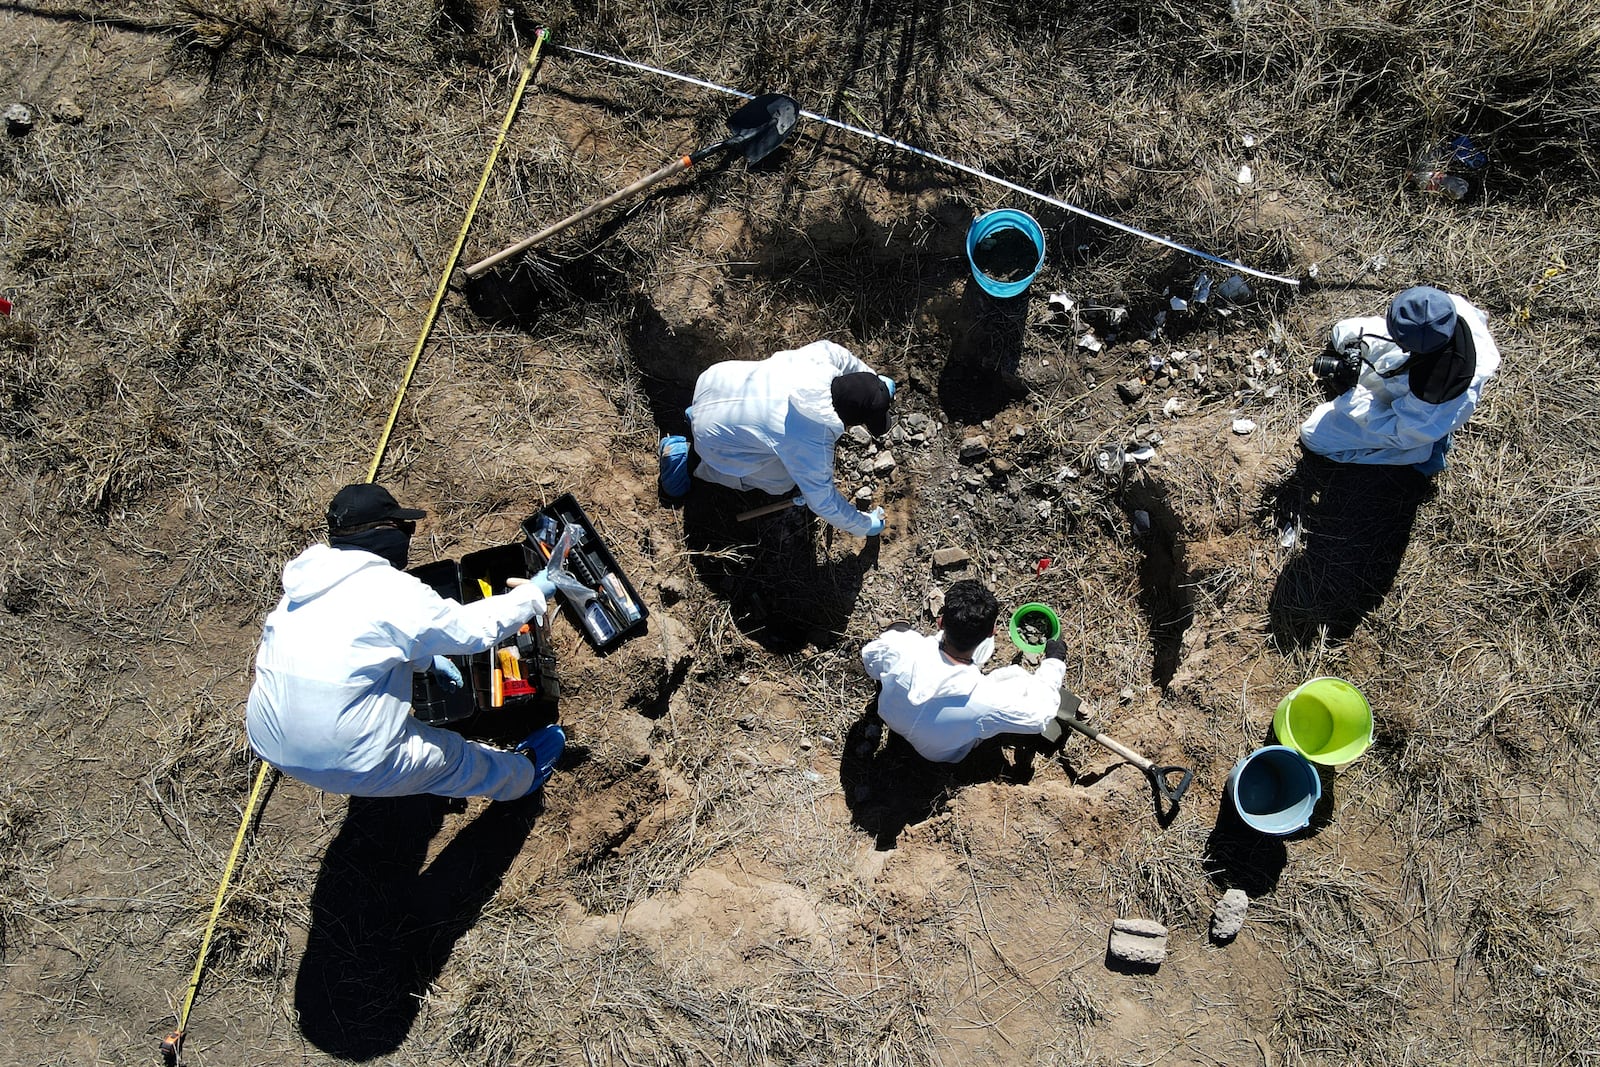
(770, 509)
(680, 164)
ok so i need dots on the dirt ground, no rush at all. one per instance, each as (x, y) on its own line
(222, 235)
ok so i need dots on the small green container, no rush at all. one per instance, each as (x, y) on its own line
(1033, 609)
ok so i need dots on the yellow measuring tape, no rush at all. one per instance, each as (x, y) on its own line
(172, 1044)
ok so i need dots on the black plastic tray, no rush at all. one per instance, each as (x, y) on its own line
(590, 562)
(438, 704)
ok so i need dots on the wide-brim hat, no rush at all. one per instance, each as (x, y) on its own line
(364, 503)
(862, 399)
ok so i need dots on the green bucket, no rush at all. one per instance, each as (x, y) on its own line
(1326, 720)
(1052, 625)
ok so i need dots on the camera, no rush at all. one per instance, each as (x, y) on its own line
(1339, 367)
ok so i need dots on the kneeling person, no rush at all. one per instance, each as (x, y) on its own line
(935, 694)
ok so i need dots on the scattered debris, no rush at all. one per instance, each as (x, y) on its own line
(1061, 303)
(1138, 941)
(1228, 916)
(19, 119)
(1178, 303)
(67, 111)
(1244, 427)
(950, 557)
(974, 449)
(861, 436)
(1091, 342)
(935, 606)
(1141, 522)
(1142, 454)
(1245, 175)
(884, 463)
(1202, 289)
(1110, 459)
(1172, 408)
(863, 495)
(1289, 536)
(1131, 390)
(1235, 289)
(1126, 696)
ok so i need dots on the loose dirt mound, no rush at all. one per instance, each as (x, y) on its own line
(222, 236)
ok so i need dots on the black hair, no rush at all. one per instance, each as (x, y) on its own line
(969, 613)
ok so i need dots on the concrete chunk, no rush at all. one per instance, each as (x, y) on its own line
(950, 557)
(1228, 916)
(1138, 941)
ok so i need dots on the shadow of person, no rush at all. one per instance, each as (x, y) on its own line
(888, 786)
(784, 577)
(383, 925)
(1353, 523)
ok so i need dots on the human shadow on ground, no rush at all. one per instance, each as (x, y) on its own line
(383, 924)
(1352, 523)
(888, 786)
(1166, 592)
(784, 577)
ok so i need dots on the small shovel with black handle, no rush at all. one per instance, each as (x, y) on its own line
(755, 129)
(1159, 775)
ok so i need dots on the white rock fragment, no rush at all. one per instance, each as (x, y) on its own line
(1138, 941)
(1245, 175)
(1172, 408)
(884, 463)
(1228, 916)
(1244, 427)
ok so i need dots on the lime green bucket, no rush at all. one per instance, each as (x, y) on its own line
(1326, 720)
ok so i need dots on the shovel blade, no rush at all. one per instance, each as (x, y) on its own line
(762, 125)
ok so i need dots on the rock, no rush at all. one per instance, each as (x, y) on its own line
(1228, 916)
(1003, 467)
(1138, 941)
(863, 495)
(1244, 427)
(861, 435)
(1126, 695)
(67, 111)
(915, 421)
(1131, 390)
(974, 449)
(677, 644)
(19, 119)
(950, 557)
(884, 463)
(935, 602)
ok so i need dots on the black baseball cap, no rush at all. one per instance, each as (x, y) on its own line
(366, 502)
(862, 399)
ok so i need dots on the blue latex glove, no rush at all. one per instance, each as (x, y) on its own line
(888, 381)
(877, 523)
(546, 585)
(447, 672)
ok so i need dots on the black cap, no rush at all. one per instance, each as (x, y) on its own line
(862, 399)
(366, 502)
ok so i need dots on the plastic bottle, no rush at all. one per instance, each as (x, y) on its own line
(1434, 180)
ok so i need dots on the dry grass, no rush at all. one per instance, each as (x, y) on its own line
(219, 274)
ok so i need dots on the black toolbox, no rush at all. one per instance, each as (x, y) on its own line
(614, 612)
(527, 655)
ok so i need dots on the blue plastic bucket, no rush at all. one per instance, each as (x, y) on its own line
(992, 223)
(1274, 790)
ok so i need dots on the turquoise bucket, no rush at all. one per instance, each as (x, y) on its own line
(1274, 790)
(993, 223)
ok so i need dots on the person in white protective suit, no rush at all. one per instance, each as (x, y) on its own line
(772, 425)
(331, 703)
(1419, 373)
(935, 694)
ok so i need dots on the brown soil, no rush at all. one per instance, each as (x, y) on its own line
(220, 272)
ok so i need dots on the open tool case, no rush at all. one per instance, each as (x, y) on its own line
(611, 611)
(524, 661)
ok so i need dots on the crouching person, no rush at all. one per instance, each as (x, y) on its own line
(331, 703)
(935, 694)
(1409, 380)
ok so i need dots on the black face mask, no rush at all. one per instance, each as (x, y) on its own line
(386, 541)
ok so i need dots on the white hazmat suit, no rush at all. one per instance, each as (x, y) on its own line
(331, 703)
(944, 708)
(771, 425)
(1378, 419)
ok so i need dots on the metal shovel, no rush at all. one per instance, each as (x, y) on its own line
(756, 128)
(1158, 775)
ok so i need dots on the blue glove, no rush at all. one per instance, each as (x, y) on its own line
(888, 381)
(877, 523)
(447, 672)
(546, 584)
